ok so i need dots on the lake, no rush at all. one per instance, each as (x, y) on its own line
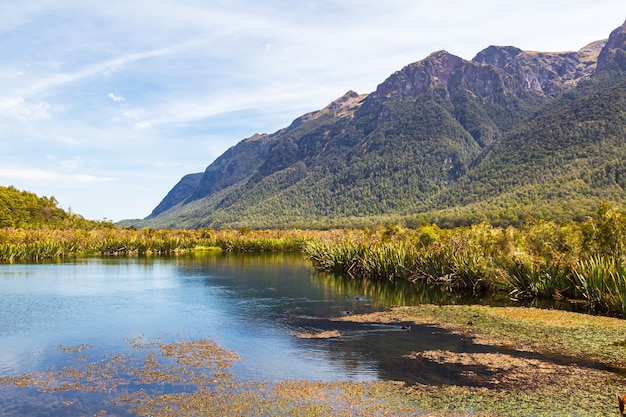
(250, 303)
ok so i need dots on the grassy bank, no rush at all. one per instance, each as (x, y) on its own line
(580, 261)
(530, 362)
(39, 244)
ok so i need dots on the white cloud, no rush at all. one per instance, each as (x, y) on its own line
(104, 67)
(134, 113)
(11, 73)
(72, 164)
(143, 125)
(68, 140)
(116, 98)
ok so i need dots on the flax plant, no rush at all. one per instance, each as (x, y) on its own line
(602, 283)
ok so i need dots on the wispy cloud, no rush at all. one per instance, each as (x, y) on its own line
(19, 108)
(10, 173)
(105, 67)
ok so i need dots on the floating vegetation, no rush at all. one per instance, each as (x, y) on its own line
(526, 361)
(529, 361)
(326, 334)
(192, 378)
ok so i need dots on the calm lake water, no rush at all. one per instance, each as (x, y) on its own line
(251, 304)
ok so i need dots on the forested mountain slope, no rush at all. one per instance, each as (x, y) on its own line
(507, 134)
(561, 163)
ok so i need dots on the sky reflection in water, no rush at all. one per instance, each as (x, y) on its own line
(251, 304)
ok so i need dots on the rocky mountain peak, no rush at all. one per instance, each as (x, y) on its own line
(440, 65)
(544, 73)
(417, 77)
(345, 105)
(257, 136)
(498, 56)
(614, 51)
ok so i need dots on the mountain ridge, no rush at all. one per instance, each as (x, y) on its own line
(402, 149)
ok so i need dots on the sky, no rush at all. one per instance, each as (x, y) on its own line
(105, 105)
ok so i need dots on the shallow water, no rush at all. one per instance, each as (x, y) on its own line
(251, 304)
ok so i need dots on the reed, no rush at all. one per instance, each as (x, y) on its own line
(35, 245)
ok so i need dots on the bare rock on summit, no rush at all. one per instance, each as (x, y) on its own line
(614, 51)
(498, 56)
(546, 73)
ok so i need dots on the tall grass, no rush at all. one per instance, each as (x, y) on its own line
(34, 245)
(540, 279)
(376, 257)
(538, 260)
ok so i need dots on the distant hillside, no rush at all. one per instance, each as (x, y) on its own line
(506, 135)
(23, 209)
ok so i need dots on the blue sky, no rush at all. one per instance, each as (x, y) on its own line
(105, 105)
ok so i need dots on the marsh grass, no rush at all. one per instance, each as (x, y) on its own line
(537, 260)
(602, 282)
(539, 279)
(35, 245)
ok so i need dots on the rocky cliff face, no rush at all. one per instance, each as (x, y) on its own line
(614, 51)
(179, 194)
(494, 69)
(234, 165)
(547, 74)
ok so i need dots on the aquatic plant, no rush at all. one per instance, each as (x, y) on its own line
(574, 368)
(602, 283)
(191, 378)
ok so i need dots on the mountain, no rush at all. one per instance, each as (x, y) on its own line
(508, 134)
(562, 162)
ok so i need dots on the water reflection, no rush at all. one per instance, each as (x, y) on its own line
(251, 303)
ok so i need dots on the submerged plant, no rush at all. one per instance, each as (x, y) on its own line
(191, 378)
